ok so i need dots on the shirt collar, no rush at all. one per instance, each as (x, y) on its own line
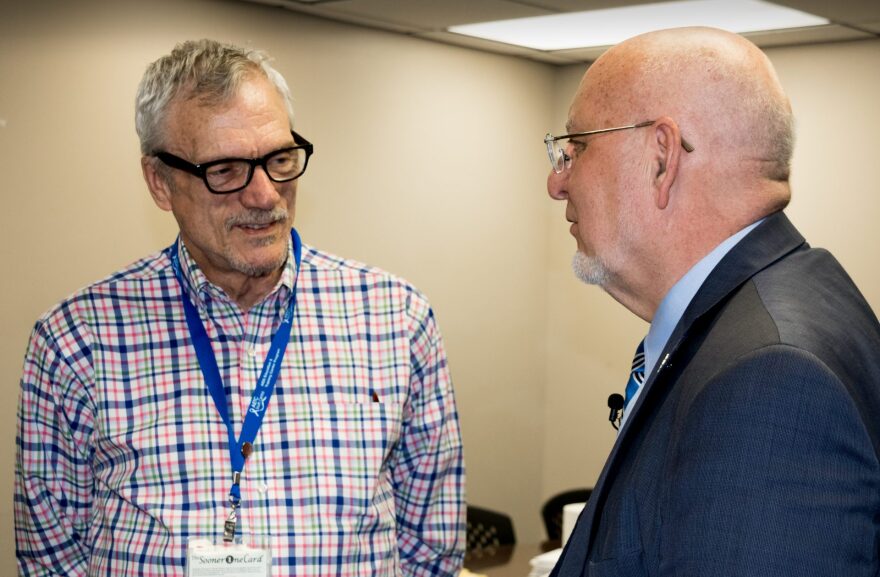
(199, 286)
(680, 295)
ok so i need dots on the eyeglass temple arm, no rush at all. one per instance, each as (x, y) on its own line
(179, 163)
(299, 140)
(549, 138)
(684, 143)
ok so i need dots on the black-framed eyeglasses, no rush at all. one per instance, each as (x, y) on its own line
(560, 159)
(229, 175)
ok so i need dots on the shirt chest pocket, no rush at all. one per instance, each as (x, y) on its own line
(334, 456)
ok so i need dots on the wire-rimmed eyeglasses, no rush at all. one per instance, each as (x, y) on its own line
(229, 175)
(560, 159)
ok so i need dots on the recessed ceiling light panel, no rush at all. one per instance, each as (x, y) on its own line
(610, 26)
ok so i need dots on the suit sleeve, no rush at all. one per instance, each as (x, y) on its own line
(53, 479)
(774, 474)
(428, 467)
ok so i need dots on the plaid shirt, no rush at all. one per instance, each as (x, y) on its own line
(122, 455)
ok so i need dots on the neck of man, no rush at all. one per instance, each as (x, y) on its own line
(643, 300)
(644, 284)
(243, 288)
(247, 291)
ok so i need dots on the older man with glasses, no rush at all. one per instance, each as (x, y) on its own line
(239, 403)
(749, 439)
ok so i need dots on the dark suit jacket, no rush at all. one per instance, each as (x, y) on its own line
(753, 449)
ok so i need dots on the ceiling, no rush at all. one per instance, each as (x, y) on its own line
(428, 19)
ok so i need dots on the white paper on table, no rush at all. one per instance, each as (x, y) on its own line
(543, 564)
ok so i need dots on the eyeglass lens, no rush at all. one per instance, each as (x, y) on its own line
(282, 166)
(556, 152)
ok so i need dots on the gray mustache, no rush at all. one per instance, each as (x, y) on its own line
(257, 218)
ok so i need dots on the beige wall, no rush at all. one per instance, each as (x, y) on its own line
(429, 164)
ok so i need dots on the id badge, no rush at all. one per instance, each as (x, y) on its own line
(240, 558)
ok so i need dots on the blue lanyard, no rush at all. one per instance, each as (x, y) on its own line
(239, 449)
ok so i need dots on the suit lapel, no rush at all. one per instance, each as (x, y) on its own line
(771, 240)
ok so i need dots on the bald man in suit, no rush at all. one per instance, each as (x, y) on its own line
(751, 448)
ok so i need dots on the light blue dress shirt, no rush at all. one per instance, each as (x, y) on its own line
(675, 302)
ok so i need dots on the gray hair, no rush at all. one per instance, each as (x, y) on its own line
(205, 69)
(774, 116)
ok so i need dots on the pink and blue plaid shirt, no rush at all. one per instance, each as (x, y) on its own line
(122, 455)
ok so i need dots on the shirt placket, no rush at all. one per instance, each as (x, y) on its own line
(257, 326)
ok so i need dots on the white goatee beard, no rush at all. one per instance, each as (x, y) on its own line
(589, 269)
(258, 217)
(257, 271)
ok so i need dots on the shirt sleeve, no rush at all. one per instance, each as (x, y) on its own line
(428, 467)
(53, 479)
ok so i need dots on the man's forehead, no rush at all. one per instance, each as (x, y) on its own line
(207, 133)
(579, 114)
(598, 94)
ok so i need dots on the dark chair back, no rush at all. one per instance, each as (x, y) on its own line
(551, 512)
(487, 530)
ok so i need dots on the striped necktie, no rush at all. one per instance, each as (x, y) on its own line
(636, 375)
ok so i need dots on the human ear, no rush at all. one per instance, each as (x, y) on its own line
(667, 143)
(156, 182)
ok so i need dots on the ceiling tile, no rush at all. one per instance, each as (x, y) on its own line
(873, 26)
(583, 54)
(429, 18)
(841, 11)
(583, 5)
(812, 35)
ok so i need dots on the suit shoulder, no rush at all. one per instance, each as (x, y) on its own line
(815, 305)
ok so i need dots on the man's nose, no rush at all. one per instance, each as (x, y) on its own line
(261, 192)
(556, 183)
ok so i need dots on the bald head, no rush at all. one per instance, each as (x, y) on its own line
(719, 87)
(624, 190)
